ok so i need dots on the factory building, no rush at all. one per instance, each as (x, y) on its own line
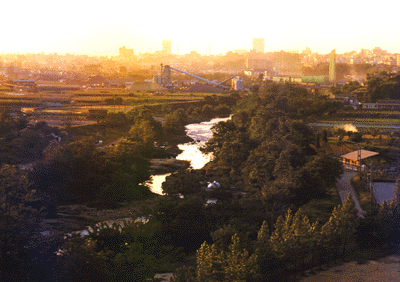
(237, 84)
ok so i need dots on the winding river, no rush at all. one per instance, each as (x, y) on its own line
(201, 133)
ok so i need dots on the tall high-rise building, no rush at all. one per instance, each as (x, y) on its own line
(258, 44)
(332, 66)
(166, 47)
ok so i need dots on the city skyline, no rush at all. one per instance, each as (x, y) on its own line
(92, 28)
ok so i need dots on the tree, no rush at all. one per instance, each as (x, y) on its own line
(340, 230)
(184, 182)
(325, 136)
(221, 132)
(82, 173)
(294, 239)
(239, 264)
(175, 122)
(209, 264)
(222, 237)
(234, 265)
(6, 121)
(125, 252)
(185, 223)
(184, 274)
(233, 154)
(259, 168)
(17, 222)
(270, 266)
(316, 177)
(145, 132)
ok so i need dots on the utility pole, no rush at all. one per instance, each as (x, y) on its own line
(359, 159)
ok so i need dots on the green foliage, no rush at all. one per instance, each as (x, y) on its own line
(111, 253)
(209, 264)
(239, 264)
(355, 137)
(81, 173)
(221, 132)
(383, 86)
(359, 183)
(293, 240)
(116, 120)
(97, 115)
(18, 221)
(185, 223)
(114, 101)
(234, 265)
(233, 154)
(145, 131)
(374, 131)
(325, 136)
(222, 237)
(175, 122)
(183, 182)
(184, 274)
(340, 230)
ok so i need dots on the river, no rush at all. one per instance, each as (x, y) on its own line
(200, 133)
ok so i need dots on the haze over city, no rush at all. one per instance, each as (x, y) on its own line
(88, 27)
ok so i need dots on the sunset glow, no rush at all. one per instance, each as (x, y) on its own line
(206, 26)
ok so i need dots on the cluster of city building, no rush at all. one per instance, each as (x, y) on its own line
(279, 65)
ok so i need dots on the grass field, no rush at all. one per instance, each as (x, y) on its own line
(75, 106)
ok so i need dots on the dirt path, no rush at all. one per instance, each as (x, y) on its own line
(344, 188)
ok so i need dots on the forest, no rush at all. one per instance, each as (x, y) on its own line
(276, 211)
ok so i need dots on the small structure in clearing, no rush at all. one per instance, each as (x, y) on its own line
(356, 158)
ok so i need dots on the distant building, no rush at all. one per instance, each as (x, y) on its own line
(125, 52)
(285, 78)
(332, 66)
(254, 63)
(258, 44)
(166, 47)
(379, 52)
(240, 51)
(307, 51)
(390, 104)
(369, 106)
(356, 61)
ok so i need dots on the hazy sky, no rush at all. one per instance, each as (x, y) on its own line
(90, 27)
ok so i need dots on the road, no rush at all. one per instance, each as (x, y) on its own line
(344, 188)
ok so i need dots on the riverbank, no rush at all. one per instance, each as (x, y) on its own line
(162, 166)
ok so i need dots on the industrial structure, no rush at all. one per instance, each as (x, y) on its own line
(332, 66)
(165, 79)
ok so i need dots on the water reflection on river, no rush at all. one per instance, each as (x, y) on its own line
(201, 133)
